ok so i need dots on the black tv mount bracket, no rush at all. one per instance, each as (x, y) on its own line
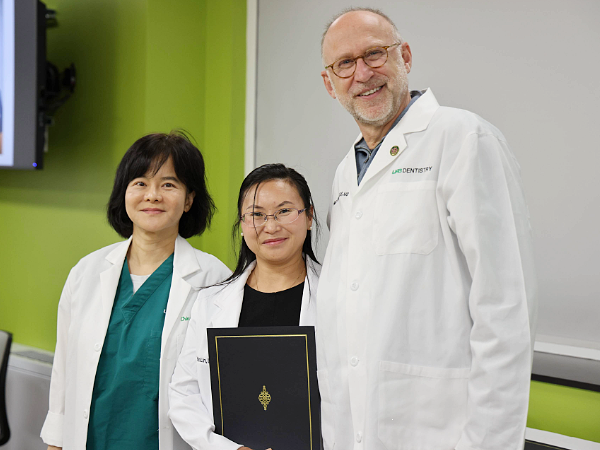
(59, 85)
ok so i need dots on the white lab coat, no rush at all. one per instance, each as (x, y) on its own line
(84, 312)
(426, 305)
(190, 392)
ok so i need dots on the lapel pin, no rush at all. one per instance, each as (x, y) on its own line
(394, 150)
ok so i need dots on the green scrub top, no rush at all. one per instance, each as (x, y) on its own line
(124, 408)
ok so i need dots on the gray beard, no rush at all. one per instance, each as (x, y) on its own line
(380, 121)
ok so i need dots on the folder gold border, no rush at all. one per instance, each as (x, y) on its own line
(260, 336)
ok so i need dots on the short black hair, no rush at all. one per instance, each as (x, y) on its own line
(147, 155)
(254, 179)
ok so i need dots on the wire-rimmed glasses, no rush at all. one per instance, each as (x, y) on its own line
(374, 57)
(283, 216)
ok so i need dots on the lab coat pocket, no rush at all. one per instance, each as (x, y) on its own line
(406, 219)
(327, 411)
(421, 407)
(152, 365)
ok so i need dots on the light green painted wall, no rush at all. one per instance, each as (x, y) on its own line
(564, 410)
(142, 66)
(201, 88)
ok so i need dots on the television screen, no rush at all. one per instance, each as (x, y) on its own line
(22, 80)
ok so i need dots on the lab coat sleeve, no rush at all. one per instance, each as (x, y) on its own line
(52, 430)
(188, 412)
(488, 214)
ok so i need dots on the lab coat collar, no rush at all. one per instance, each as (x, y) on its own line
(417, 119)
(308, 309)
(109, 278)
(186, 264)
(230, 304)
(117, 255)
(186, 269)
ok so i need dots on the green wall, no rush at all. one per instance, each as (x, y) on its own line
(142, 66)
(564, 410)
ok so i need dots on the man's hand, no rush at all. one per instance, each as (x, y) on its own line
(52, 447)
(241, 448)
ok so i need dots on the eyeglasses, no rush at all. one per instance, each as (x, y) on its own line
(374, 57)
(283, 216)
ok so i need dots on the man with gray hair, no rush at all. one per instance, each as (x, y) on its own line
(426, 301)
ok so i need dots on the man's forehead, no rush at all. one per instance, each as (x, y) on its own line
(357, 31)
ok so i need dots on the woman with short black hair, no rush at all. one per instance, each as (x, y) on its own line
(124, 309)
(149, 154)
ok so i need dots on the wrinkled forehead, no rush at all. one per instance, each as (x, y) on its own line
(355, 32)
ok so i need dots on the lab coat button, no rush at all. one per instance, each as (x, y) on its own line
(354, 286)
(85, 413)
(354, 363)
(359, 437)
(97, 347)
(358, 214)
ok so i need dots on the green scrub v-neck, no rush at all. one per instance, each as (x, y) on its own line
(124, 407)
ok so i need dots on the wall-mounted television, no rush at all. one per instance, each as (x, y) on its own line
(22, 83)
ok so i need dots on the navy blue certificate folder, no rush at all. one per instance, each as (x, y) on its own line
(264, 386)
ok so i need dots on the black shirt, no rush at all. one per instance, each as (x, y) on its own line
(262, 309)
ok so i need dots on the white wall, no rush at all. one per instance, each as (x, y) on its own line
(528, 66)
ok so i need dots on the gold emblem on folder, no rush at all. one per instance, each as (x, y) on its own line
(264, 397)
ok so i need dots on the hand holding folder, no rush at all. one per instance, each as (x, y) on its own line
(264, 387)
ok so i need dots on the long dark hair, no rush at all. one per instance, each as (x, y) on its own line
(262, 174)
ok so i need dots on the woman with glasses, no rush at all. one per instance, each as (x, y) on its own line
(274, 284)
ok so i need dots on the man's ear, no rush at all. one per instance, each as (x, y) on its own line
(327, 82)
(406, 56)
